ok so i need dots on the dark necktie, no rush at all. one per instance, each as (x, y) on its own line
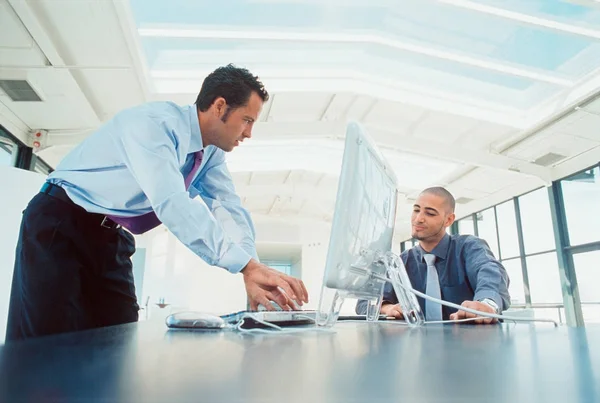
(145, 222)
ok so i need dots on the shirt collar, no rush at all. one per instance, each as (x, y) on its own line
(196, 137)
(441, 249)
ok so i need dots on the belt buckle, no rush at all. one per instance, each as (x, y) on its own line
(106, 223)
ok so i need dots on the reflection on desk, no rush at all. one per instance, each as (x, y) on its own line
(377, 362)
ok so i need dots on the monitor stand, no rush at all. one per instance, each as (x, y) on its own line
(376, 263)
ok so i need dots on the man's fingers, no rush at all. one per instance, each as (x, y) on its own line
(260, 300)
(305, 291)
(298, 291)
(459, 315)
(287, 290)
(282, 300)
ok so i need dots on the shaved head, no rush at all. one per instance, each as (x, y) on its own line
(433, 212)
(444, 194)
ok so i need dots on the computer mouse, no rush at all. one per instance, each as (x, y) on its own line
(194, 320)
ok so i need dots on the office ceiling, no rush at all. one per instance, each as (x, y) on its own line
(490, 98)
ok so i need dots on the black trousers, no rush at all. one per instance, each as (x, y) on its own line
(70, 272)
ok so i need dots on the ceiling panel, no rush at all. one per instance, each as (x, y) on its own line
(303, 107)
(104, 84)
(259, 205)
(443, 127)
(400, 115)
(484, 135)
(359, 108)
(552, 142)
(12, 32)
(268, 178)
(85, 32)
(585, 125)
(487, 180)
(63, 107)
(338, 107)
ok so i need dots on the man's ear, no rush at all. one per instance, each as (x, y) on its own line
(220, 106)
(450, 219)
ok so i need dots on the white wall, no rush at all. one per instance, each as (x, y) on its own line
(19, 186)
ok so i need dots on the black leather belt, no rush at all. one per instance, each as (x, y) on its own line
(56, 191)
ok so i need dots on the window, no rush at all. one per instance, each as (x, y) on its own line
(486, 226)
(507, 230)
(581, 195)
(587, 271)
(536, 222)
(465, 226)
(515, 275)
(544, 278)
(283, 267)
(41, 167)
(7, 150)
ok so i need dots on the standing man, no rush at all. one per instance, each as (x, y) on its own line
(456, 268)
(142, 168)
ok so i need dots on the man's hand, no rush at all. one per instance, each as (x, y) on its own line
(264, 284)
(480, 306)
(392, 311)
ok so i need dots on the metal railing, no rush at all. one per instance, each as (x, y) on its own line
(558, 306)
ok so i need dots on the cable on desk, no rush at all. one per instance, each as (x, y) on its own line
(463, 308)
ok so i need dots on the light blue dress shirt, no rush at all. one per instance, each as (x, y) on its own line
(137, 162)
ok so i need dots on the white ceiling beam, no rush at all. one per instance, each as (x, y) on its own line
(128, 27)
(524, 18)
(285, 191)
(39, 34)
(324, 37)
(386, 138)
(462, 155)
(333, 129)
(392, 90)
(554, 110)
(383, 137)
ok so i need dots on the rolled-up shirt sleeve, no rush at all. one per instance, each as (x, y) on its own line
(218, 192)
(486, 273)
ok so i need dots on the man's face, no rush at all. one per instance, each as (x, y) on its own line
(235, 125)
(430, 217)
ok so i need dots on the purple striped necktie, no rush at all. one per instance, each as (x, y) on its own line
(145, 222)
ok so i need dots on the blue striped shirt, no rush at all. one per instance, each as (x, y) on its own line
(467, 269)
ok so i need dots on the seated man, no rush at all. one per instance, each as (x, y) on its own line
(463, 268)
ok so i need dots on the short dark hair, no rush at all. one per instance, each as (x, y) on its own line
(235, 84)
(444, 194)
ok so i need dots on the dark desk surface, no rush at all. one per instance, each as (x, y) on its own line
(359, 363)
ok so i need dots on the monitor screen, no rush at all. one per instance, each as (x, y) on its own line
(362, 228)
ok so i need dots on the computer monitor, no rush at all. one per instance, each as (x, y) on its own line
(359, 255)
